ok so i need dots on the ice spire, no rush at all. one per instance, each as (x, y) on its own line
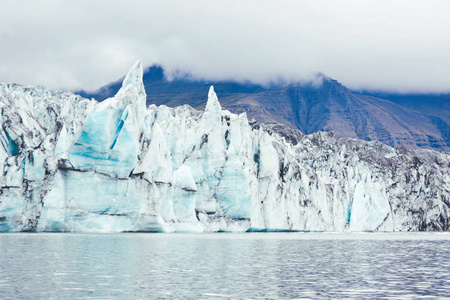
(134, 77)
(213, 104)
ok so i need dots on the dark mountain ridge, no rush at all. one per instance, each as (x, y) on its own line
(329, 106)
(435, 104)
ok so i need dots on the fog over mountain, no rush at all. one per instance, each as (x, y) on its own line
(376, 45)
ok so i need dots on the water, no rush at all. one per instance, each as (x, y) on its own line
(252, 265)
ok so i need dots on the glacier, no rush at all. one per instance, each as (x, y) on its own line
(77, 165)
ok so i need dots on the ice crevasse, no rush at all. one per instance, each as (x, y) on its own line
(73, 164)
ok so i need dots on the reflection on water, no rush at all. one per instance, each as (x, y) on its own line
(260, 265)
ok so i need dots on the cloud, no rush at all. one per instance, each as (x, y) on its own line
(387, 45)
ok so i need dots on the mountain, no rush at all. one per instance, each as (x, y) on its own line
(433, 104)
(325, 105)
(182, 90)
(73, 164)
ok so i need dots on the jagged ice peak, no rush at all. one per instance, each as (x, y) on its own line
(213, 104)
(134, 78)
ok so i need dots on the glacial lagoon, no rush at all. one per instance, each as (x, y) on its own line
(224, 265)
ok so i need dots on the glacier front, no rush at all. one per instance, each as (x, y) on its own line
(73, 164)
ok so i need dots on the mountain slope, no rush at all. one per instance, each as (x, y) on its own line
(308, 107)
(332, 107)
(433, 104)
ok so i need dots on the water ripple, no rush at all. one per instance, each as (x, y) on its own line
(133, 266)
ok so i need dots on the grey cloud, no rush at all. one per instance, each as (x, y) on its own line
(390, 45)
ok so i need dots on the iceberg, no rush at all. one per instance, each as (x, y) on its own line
(77, 165)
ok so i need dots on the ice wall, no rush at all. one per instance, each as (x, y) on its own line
(73, 164)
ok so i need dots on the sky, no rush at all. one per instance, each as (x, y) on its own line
(390, 45)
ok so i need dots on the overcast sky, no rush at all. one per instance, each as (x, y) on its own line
(388, 45)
